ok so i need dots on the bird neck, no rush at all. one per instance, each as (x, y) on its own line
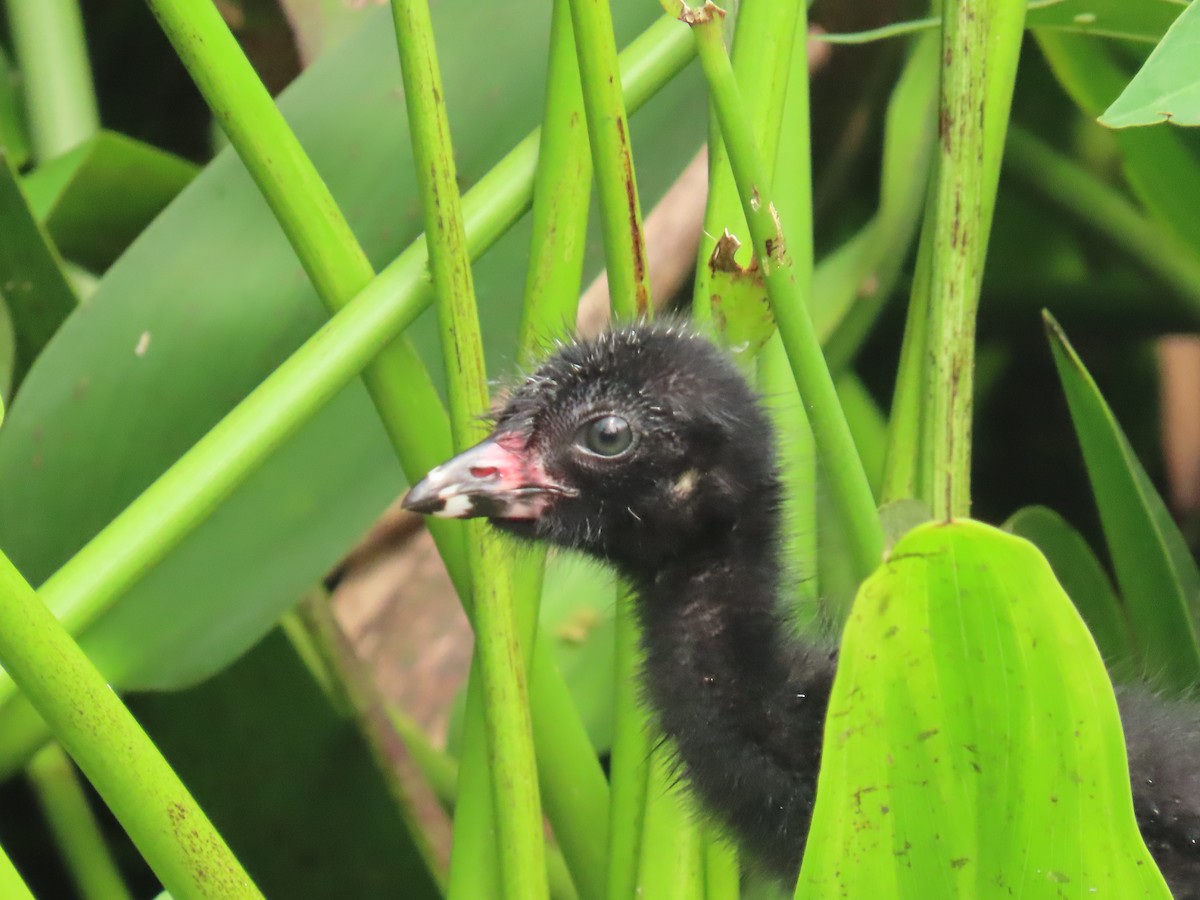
(711, 619)
(742, 700)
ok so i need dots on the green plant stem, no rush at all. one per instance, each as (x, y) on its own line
(762, 63)
(629, 764)
(721, 871)
(75, 829)
(557, 243)
(1106, 211)
(52, 53)
(560, 200)
(502, 665)
(838, 456)
(612, 156)
(442, 774)
(629, 297)
(979, 46)
(12, 885)
(672, 864)
(93, 725)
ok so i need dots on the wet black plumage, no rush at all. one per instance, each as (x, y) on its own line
(646, 448)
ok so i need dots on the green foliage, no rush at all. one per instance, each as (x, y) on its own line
(189, 451)
(1158, 577)
(951, 669)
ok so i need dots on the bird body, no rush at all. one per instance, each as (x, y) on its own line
(647, 449)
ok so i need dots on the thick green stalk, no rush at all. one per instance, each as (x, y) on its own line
(672, 864)
(560, 200)
(721, 871)
(557, 243)
(501, 664)
(979, 46)
(93, 725)
(51, 50)
(612, 157)
(838, 457)
(75, 829)
(12, 885)
(1106, 211)
(629, 763)
(629, 297)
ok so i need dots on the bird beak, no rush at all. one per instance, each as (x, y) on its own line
(497, 479)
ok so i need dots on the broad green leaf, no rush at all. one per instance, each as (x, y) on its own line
(1167, 87)
(1136, 20)
(214, 298)
(1161, 168)
(1085, 581)
(1158, 579)
(973, 746)
(14, 135)
(32, 283)
(95, 199)
(288, 780)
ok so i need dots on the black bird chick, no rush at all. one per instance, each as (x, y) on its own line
(647, 449)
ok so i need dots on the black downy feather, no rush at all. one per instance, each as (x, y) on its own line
(689, 514)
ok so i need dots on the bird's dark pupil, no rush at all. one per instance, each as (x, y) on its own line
(609, 436)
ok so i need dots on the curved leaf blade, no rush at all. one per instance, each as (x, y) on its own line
(1158, 579)
(973, 746)
(1085, 581)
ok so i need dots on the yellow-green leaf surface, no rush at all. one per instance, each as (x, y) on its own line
(1155, 571)
(1085, 581)
(973, 746)
(1167, 87)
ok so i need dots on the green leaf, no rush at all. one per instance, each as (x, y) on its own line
(95, 199)
(1158, 579)
(289, 781)
(1159, 164)
(1085, 581)
(32, 282)
(973, 746)
(1167, 87)
(1137, 21)
(214, 298)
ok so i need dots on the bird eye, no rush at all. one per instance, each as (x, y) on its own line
(609, 436)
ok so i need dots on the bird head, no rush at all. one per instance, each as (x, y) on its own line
(633, 447)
